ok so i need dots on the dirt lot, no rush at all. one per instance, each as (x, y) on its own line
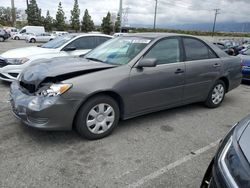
(171, 148)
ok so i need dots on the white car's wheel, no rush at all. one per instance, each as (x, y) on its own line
(32, 40)
(1, 39)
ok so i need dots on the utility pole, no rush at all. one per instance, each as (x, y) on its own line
(215, 18)
(156, 2)
(13, 13)
(120, 14)
(27, 3)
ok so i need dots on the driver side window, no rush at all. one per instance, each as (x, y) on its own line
(166, 51)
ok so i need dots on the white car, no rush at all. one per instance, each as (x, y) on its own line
(42, 37)
(59, 33)
(67, 45)
(21, 36)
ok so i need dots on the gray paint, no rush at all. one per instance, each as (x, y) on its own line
(139, 91)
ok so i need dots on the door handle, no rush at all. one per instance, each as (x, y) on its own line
(179, 71)
(216, 65)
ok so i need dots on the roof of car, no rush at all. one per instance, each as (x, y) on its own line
(154, 35)
(86, 34)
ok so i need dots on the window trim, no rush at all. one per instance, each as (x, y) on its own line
(159, 40)
(70, 42)
(184, 51)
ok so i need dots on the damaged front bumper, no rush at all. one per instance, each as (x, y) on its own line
(47, 113)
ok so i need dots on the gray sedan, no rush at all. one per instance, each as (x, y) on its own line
(125, 77)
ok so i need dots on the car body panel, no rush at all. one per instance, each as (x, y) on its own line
(137, 90)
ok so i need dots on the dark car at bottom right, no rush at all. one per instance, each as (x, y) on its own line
(230, 168)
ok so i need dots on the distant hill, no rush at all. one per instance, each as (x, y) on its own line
(226, 27)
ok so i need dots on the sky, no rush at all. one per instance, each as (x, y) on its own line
(141, 12)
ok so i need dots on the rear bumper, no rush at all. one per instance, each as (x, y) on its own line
(46, 113)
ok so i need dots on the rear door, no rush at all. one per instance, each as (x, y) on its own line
(161, 86)
(203, 67)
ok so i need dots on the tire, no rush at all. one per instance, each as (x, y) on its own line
(216, 95)
(17, 38)
(2, 39)
(101, 122)
(33, 40)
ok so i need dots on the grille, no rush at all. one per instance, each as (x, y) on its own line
(14, 75)
(3, 63)
(2, 76)
(29, 87)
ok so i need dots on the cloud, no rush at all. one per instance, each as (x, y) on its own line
(142, 12)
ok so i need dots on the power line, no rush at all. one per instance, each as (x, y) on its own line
(215, 17)
(156, 2)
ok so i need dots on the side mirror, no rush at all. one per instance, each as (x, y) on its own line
(69, 48)
(148, 62)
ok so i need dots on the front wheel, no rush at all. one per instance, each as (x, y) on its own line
(1, 39)
(98, 117)
(216, 95)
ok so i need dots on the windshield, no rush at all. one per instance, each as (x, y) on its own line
(58, 42)
(119, 51)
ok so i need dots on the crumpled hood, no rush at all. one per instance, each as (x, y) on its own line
(60, 69)
(26, 52)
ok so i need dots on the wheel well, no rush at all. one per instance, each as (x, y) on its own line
(226, 81)
(112, 94)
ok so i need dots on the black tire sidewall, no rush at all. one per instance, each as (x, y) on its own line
(209, 102)
(80, 123)
(33, 40)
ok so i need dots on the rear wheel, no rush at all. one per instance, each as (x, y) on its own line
(1, 39)
(98, 117)
(216, 95)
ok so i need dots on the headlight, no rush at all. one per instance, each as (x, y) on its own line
(17, 61)
(227, 160)
(56, 89)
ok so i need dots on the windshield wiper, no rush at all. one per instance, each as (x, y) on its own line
(94, 59)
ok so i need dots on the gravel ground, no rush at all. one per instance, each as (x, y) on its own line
(131, 157)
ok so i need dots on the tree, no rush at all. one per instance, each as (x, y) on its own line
(5, 16)
(118, 23)
(60, 18)
(75, 17)
(48, 22)
(107, 24)
(87, 22)
(33, 13)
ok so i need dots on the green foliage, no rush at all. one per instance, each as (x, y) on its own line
(48, 22)
(33, 13)
(5, 16)
(118, 23)
(60, 18)
(107, 24)
(87, 22)
(75, 17)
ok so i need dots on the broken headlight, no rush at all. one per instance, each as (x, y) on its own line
(56, 89)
